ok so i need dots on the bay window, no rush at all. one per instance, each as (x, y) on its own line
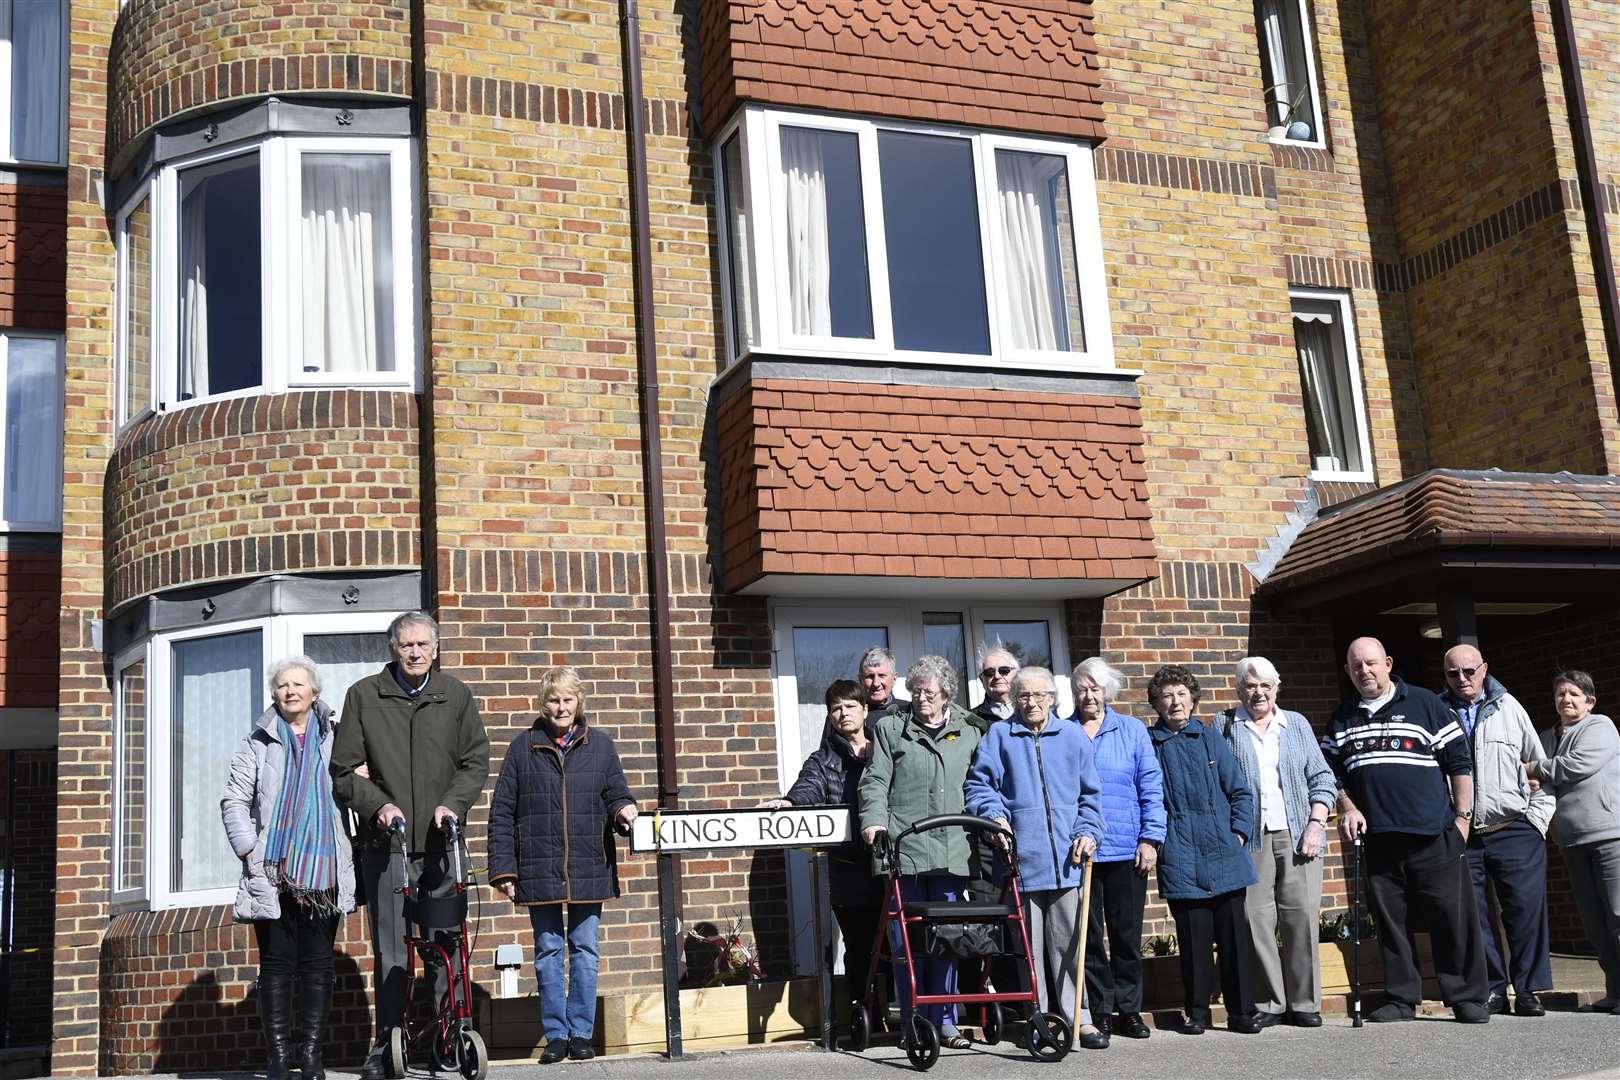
(846, 237)
(285, 263)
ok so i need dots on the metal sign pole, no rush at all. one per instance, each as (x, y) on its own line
(670, 933)
(818, 864)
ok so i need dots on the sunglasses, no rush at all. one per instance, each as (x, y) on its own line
(1465, 672)
(992, 672)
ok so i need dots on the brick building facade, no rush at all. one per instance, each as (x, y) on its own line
(1105, 329)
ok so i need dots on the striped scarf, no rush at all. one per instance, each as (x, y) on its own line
(300, 850)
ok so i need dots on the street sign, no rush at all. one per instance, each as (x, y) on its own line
(670, 831)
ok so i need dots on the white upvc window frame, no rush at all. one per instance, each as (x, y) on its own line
(758, 130)
(1312, 76)
(281, 238)
(7, 157)
(1352, 357)
(7, 522)
(146, 193)
(282, 635)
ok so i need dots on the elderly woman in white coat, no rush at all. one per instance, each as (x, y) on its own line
(297, 864)
(1294, 788)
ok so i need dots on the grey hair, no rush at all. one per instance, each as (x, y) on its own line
(934, 669)
(1032, 674)
(1095, 668)
(1256, 665)
(990, 648)
(412, 618)
(286, 664)
(876, 656)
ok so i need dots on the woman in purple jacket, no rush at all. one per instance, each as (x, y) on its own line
(1133, 819)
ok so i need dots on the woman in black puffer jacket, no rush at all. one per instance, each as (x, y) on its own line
(560, 792)
(832, 777)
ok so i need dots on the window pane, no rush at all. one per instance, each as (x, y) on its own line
(1040, 276)
(345, 659)
(1287, 76)
(943, 636)
(1029, 642)
(829, 290)
(131, 825)
(220, 288)
(739, 229)
(821, 656)
(138, 310)
(33, 481)
(348, 266)
(1326, 378)
(936, 264)
(218, 693)
(36, 80)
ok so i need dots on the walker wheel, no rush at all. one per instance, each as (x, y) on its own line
(922, 1047)
(447, 1048)
(396, 1052)
(474, 1063)
(991, 1029)
(860, 1028)
(1050, 1037)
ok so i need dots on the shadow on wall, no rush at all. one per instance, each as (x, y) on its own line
(200, 1029)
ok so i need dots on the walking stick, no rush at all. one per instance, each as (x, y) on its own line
(1355, 933)
(1080, 957)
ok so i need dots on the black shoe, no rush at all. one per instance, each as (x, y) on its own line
(1391, 1012)
(1471, 1012)
(1131, 1026)
(1243, 1025)
(555, 1051)
(1496, 1004)
(1094, 1040)
(1528, 1004)
(580, 1049)
(1192, 1025)
(275, 1011)
(1267, 1019)
(1305, 1019)
(375, 1067)
(315, 992)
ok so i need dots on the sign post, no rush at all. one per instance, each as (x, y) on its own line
(667, 833)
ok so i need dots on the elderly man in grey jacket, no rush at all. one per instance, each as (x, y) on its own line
(1508, 843)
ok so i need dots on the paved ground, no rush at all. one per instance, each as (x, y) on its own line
(1560, 1045)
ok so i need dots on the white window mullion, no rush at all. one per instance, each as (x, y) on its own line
(159, 871)
(407, 267)
(985, 183)
(278, 204)
(758, 168)
(1094, 317)
(877, 248)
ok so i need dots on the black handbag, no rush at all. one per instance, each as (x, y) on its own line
(965, 941)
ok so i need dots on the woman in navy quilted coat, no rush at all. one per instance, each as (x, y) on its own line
(560, 792)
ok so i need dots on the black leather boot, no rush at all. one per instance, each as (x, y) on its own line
(315, 988)
(275, 1009)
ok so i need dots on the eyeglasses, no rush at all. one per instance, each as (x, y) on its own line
(927, 695)
(991, 672)
(1034, 695)
(1465, 672)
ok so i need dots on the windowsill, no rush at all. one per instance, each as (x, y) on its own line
(1023, 363)
(301, 385)
(1303, 144)
(1342, 477)
(36, 527)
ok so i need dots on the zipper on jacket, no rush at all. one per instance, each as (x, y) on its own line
(1046, 800)
(562, 771)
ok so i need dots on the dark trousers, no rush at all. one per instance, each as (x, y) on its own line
(385, 912)
(1515, 858)
(300, 942)
(1114, 978)
(858, 924)
(1201, 926)
(1425, 879)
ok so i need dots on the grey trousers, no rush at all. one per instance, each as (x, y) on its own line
(1594, 872)
(1054, 942)
(385, 914)
(1287, 895)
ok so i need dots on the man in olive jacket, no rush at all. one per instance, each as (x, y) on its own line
(410, 746)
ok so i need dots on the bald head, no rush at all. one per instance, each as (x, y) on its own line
(1369, 667)
(1465, 672)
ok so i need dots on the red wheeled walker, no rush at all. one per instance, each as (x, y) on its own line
(442, 920)
(943, 927)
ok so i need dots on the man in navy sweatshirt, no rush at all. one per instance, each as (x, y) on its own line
(1407, 789)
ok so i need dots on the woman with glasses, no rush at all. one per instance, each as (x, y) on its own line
(1034, 775)
(920, 758)
(1133, 808)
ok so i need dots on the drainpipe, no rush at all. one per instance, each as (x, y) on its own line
(1586, 172)
(427, 445)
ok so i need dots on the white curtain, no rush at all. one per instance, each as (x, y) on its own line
(33, 481)
(1281, 96)
(809, 273)
(131, 810)
(345, 659)
(348, 263)
(1324, 405)
(192, 361)
(1032, 281)
(742, 244)
(36, 80)
(217, 697)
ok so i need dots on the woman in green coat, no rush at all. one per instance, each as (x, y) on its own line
(920, 759)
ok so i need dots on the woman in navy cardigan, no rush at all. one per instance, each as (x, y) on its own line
(560, 791)
(1204, 866)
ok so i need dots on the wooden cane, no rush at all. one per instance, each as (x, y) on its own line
(1080, 957)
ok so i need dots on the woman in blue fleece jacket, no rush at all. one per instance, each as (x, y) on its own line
(1034, 774)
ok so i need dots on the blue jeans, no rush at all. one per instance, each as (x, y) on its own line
(571, 1013)
(935, 974)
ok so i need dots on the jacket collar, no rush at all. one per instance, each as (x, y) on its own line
(914, 730)
(1054, 723)
(1193, 728)
(840, 743)
(1493, 694)
(269, 721)
(388, 686)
